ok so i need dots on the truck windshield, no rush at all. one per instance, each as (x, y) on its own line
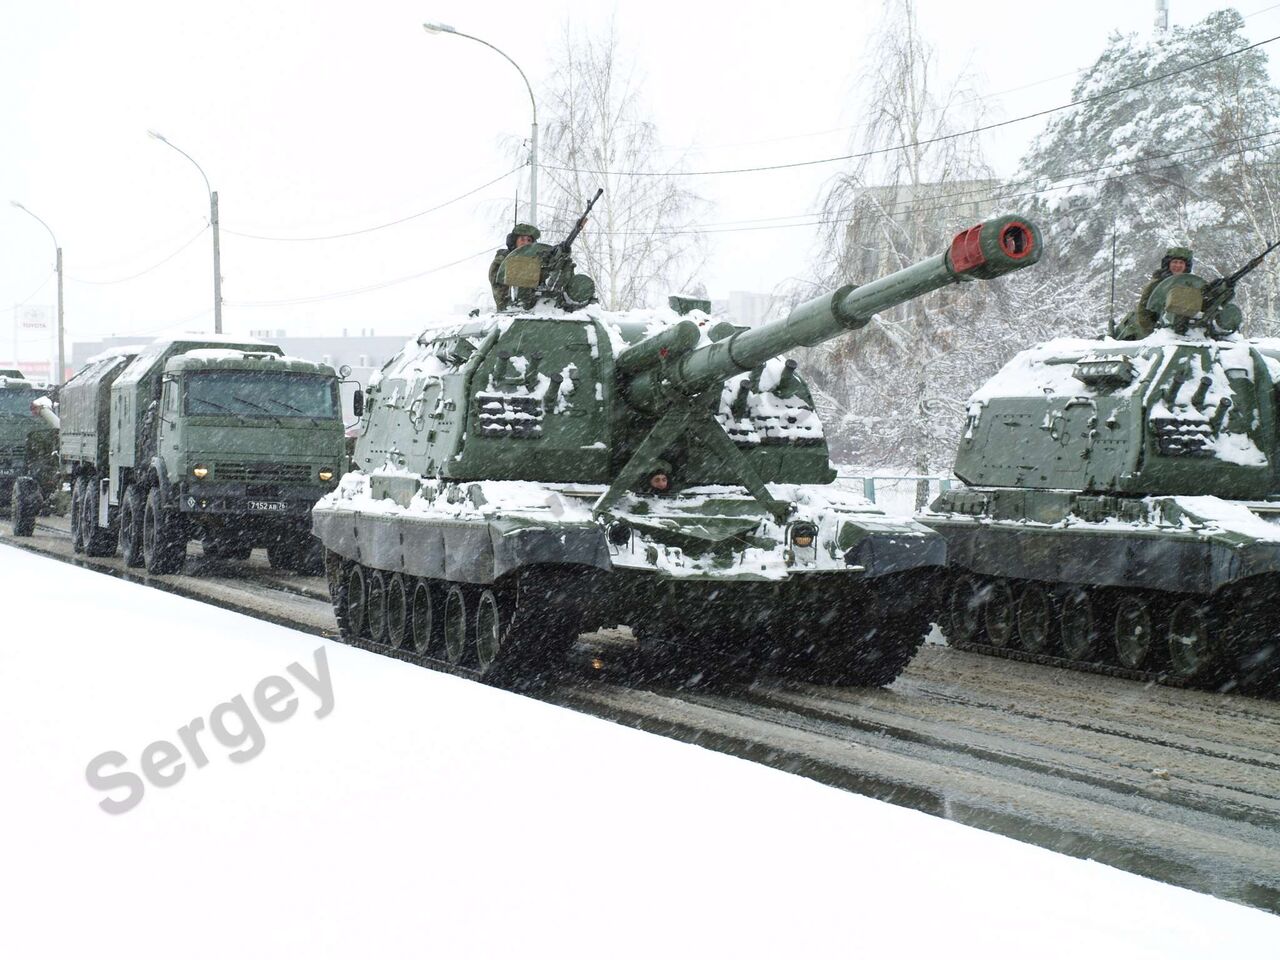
(269, 395)
(16, 401)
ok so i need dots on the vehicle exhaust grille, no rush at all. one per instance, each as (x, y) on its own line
(262, 472)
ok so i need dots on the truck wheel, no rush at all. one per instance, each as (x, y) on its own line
(24, 505)
(223, 548)
(77, 495)
(97, 541)
(164, 546)
(130, 534)
(280, 555)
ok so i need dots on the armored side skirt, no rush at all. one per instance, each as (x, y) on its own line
(1156, 559)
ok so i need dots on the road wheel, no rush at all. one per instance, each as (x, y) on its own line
(97, 541)
(397, 612)
(376, 607)
(965, 606)
(1078, 626)
(999, 614)
(1035, 619)
(456, 624)
(349, 603)
(24, 506)
(1193, 648)
(164, 545)
(491, 625)
(1134, 631)
(130, 532)
(424, 623)
(77, 495)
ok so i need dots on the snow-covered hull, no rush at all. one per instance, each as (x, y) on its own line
(837, 590)
(1179, 588)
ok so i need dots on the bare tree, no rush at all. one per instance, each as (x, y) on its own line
(914, 184)
(641, 241)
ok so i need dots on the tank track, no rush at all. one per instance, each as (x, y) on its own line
(513, 635)
(1083, 666)
(520, 633)
(1228, 643)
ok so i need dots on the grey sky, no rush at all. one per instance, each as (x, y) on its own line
(313, 118)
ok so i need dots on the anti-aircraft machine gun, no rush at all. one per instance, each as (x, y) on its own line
(545, 272)
(525, 477)
(1123, 507)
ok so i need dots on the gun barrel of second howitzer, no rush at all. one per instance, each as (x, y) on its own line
(43, 411)
(988, 250)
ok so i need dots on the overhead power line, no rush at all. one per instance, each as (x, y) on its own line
(357, 290)
(43, 283)
(934, 205)
(975, 194)
(154, 266)
(381, 226)
(918, 143)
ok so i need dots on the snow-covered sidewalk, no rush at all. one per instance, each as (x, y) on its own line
(425, 815)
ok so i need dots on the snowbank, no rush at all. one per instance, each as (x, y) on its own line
(430, 816)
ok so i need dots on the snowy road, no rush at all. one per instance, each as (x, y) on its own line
(1179, 785)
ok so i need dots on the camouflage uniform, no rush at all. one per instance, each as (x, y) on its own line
(501, 292)
(1142, 321)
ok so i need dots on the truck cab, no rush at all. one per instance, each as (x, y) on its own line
(229, 443)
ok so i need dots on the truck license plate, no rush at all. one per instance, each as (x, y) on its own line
(274, 506)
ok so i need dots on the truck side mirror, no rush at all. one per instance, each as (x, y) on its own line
(357, 403)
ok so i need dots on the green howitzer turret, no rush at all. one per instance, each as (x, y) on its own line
(1122, 498)
(667, 373)
(540, 473)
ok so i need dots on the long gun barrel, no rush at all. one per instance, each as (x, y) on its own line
(673, 368)
(42, 409)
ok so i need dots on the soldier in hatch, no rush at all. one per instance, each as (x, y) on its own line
(521, 235)
(1142, 320)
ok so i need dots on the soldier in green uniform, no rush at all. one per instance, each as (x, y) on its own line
(521, 235)
(1142, 320)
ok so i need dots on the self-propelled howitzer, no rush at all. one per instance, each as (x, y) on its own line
(525, 477)
(1122, 501)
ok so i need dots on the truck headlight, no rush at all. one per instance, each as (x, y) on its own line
(326, 474)
(199, 472)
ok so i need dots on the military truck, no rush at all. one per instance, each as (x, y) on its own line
(533, 474)
(1123, 507)
(229, 443)
(28, 451)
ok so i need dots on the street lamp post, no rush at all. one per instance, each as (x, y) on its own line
(533, 134)
(213, 221)
(61, 354)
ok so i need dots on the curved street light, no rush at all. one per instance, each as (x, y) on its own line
(213, 220)
(533, 135)
(61, 374)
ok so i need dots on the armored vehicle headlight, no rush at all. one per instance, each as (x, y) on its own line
(619, 533)
(803, 535)
(326, 474)
(199, 471)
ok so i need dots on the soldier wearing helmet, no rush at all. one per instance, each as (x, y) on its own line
(521, 235)
(1176, 260)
